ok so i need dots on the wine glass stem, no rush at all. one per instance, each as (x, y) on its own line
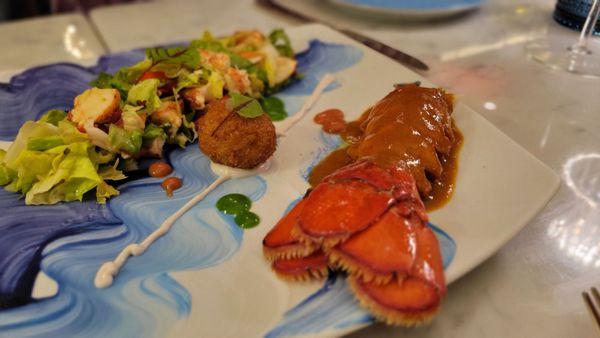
(588, 28)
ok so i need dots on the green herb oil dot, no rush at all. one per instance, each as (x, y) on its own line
(234, 204)
(247, 219)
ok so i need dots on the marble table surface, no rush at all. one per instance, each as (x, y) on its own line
(59, 38)
(530, 288)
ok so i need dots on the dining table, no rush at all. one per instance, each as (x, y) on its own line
(533, 286)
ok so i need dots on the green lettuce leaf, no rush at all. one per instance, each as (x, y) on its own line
(28, 167)
(245, 106)
(123, 79)
(44, 143)
(187, 80)
(145, 92)
(186, 57)
(69, 133)
(132, 118)
(280, 40)
(105, 191)
(151, 132)
(126, 141)
(187, 132)
(274, 107)
(101, 156)
(215, 85)
(29, 129)
(51, 164)
(71, 176)
(6, 174)
(216, 46)
(53, 116)
(111, 173)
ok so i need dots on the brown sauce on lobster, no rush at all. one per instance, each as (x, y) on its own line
(411, 127)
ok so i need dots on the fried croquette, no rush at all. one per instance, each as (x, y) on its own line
(233, 140)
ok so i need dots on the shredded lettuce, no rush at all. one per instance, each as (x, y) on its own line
(129, 142)
(187, 80)
(6, 174)
(44, 143)
(186, 57)
(29, 129)
(187, 132)
(53, 116)
(105, 191)
(215, 85)
(71, 176)
(70, 134)
(151, 132)
(29, 166)
(145, 93)
(51, 164)
(124, 78)
(217, 46)
(111, 173)
(132, 118)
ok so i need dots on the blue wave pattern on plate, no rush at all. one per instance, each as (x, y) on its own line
(144, 301)
(330, 143)
(333, 307)
(37, 90)
(414, 4)
(30, 94)
(77, 237)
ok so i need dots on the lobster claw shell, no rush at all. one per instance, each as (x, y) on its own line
(303, 268)
(382, 251)
(412, 299)
(371, 223)
(406, 302)
(335, 211)
(279, 243)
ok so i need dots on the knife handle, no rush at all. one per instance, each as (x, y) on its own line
(386, 50)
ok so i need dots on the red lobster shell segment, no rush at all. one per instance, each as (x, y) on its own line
(303, 268)
(371, 223)
(408, 302)
(279, 242)
(386, 248)
(335, 211)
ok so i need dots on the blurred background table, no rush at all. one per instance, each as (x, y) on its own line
(532, 287)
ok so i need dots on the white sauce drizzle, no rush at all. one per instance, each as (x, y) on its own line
(310, 101)
(109, 270)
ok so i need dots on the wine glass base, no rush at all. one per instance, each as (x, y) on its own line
(575, 60)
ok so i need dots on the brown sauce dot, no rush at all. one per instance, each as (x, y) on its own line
(171, 184)
(160, 169)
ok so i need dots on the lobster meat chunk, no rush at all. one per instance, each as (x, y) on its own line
(371, 223)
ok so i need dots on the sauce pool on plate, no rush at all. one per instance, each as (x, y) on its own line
(332, 121)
